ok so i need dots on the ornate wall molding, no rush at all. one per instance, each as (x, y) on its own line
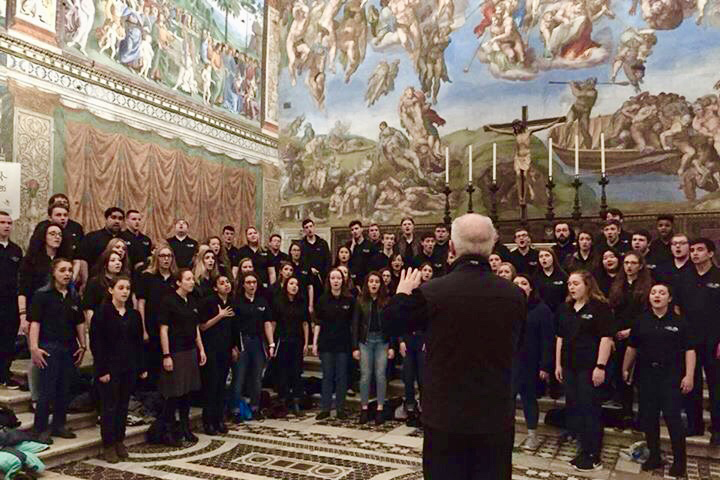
(271, 68)
(87, 85)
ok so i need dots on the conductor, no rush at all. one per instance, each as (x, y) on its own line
(473, 322)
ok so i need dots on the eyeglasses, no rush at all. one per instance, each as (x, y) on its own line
(55, 234)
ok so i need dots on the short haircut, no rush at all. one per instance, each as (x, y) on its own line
(54, 206)
(228, 228)
(680, 234)
(306, 221)
(427, 235)
(642, 232)
(518, 230)
(355, 222)
(388, 233)
(473, 234)
(441, 225)
(374, 225)
(275, 235)
(402, 220)
(112, 210)
(54, 197)
(662, 284)
(611, 222)
(561, 223)
(131, 211)
(4, 213)
(665, 216)
(615, 212)
(709, 244)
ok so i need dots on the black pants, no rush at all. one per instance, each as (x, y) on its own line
(214, 374)
(153, 363)
(624, 393)
(114, 400)
(54, 386)
(584, 409)
(9, 323)
(290, 364)
(181, 404)
(693, 401)
(660, 392)
(467, 457)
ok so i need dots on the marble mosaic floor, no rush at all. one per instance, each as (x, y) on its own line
(306, 449)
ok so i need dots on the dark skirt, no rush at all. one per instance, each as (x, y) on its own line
(184, 378)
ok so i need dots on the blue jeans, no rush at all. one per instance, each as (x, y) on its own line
(373, 359)
(524, 382)
(413, 364)
(334, 370)
(54, 386)
(251, 363)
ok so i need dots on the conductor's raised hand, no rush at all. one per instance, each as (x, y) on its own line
(409, 281)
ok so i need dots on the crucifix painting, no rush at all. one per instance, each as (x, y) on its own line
(522, 130)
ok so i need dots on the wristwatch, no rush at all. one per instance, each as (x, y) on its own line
(166, 355)
(600, 366)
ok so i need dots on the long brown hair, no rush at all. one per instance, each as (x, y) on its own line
(594, 292)
(101, 263)
(382, 295)
(556, 264)
(642, 285)
(154, 267)
(344, 289)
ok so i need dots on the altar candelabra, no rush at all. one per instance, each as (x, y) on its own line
(447, 218)
(576, 213)
(470, 190)
(603, 182)
(493, 201)
(550, 214)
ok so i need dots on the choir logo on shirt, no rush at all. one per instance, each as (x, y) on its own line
(195, 310)
(346, 307)
(651, 266)
(146, 243)
(558, 282)
(15, 259)
(437, 265)
(261, 308)
(74, 308)
(670, 328)
(712, 285)
(191, 245)
(128, 243)
(586, 316)
(532, 263)
(263, 254)
(365, 250)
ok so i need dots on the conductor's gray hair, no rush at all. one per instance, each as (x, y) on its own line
(473, 234)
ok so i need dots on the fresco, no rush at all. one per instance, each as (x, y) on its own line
(374, 91)
(209, 50)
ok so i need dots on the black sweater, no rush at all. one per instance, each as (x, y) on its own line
(334, 316)
(116, 341)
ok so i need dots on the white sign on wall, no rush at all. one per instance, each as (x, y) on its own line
(10, 188)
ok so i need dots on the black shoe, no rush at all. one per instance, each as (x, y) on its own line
(322, 415)
(221, 428)
(63, 433)
(678, 470)
(587, 463)
(171, 440)
(364, 417)
(295, 409)
(44, 437)
(341, 414)
(652, 463)
(696, 432)
(12, 385)
(209, 430)
(380, 417)
(187, 434)
(258, 415)
(715, 439)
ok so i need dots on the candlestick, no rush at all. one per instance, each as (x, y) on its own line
(550, 214)
(603, 196)
(470, 190)
(602, 153)
(493, 201)
(447, 218)
(447, 165)
(577, 155)
(550, 158)
(470, 163)
(494, 165)
(576, 213)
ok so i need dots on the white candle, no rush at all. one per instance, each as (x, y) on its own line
(494, 166)
(602, 153)
(577, 155)
(550, 159)
(470, 163)
(447, 165)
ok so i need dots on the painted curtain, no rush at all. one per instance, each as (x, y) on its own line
(104, 169)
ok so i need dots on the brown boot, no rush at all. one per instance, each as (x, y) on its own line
(121, 450)
(110, 455)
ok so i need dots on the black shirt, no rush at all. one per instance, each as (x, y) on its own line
(622, 246)
(361, 255)
(552, 288)
(582, 331)
(629, 307)
(153, 288)
(73, 235)
(563, 251)
(234, 255)
(116, 341)
(334, 315)
(316, 255)
(261, 262)
(182, 317)
(274, 261)
(379, 261)
(408, 250)
(94, 243)
(250, 316)
(442, 250)
(662, 341)
(603, 280)
(503, 251)
(95, 292)
(436, 261)
(576, 261)
(34, 273)
(139, 247)
(669, 273)
(527, 263)
(217, 338)
(290, 318)
(184, 250)
(10, 260)
(57, 315)
(699, 299)
(660, 252)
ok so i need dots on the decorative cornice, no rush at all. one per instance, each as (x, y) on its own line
(63, 71)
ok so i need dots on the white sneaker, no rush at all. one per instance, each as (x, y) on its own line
(532, 442)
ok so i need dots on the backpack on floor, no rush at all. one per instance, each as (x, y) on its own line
(8, 419)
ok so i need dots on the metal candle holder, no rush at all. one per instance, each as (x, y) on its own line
(447, 218)
(576, 213)
(494, 188)
(470, 190)
(603, 182)
(550, 214)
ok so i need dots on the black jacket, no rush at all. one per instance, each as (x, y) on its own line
(116, 341)
(361, 322)
(473, 322)
(538, 349)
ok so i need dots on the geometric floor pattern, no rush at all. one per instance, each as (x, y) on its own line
(306, 449)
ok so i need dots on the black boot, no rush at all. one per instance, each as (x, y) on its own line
(186, 433)
(171, 440)
(295, 408)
